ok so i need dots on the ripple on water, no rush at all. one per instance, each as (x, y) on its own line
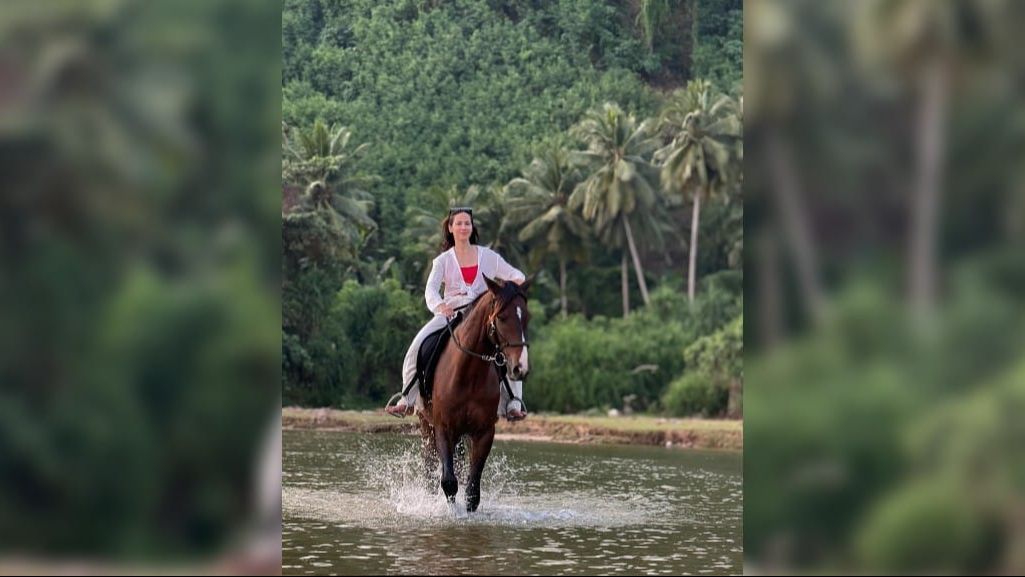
(566, 516)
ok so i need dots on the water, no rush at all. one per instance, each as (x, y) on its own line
(353, 505)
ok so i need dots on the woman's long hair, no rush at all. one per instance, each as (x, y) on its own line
(449, 241)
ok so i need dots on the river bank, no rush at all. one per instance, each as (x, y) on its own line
(581, 429)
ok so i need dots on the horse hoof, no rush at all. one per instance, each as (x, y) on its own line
(449, 488)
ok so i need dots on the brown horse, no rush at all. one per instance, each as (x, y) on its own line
(466, 383)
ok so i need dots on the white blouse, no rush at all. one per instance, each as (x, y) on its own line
(445, 270)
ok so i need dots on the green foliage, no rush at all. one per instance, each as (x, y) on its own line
(379, 322)
(719, 302)
(598, 29)
(456, 95)
(926, 524)
(441, 76)
(592, 289)
(579, 364)
(719, 43)
(871, 416)
(696, 393)
(652, 17)
(306, 300)
(705, 128)
(827, 447)
(714, 364)
(172, 396)
(952, 513)
(355, 357)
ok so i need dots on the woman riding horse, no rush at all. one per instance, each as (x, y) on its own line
(462, 267)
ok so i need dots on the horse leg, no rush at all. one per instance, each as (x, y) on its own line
(479, 455)
(429, 452)
(445, 444)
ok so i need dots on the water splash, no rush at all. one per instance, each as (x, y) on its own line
(391, 489)
(399, 477)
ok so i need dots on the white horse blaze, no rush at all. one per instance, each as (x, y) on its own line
(524, 363)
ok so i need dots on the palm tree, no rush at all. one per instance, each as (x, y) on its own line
(618, 186)
(788, 73)
(323, 162)
(539, 201)
(701, 160)
(924, 41)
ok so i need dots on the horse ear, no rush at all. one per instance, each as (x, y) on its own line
(492, 285)
(525, 285)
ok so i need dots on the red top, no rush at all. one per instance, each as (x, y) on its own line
(469, 273)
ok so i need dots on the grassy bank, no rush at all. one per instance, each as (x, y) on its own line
(631, 430)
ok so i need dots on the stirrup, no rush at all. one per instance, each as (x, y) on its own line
(522, 411)
(396, 414)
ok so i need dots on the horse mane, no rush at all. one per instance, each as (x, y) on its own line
(470, 322)
(471, 328)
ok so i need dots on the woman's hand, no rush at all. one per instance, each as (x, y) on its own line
(446, 310)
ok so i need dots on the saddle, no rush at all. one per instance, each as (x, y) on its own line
(428, 355)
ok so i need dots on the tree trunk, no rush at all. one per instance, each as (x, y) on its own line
(637, 261)
(562, 285)
(626, 289)
(692, 266)
(795, 225)
(735, 402)
(925, 204)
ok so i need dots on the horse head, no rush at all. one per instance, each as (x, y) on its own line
(507, 323)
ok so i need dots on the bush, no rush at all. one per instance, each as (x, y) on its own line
(929, 524)
(714, 364)
(696, 394)
(364, 340)
(579, 364)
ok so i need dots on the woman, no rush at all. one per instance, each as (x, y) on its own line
(461, 268)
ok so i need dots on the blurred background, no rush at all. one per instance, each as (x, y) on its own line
(139, 274)
(885, 282)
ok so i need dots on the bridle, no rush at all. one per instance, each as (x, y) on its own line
(494, 337)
